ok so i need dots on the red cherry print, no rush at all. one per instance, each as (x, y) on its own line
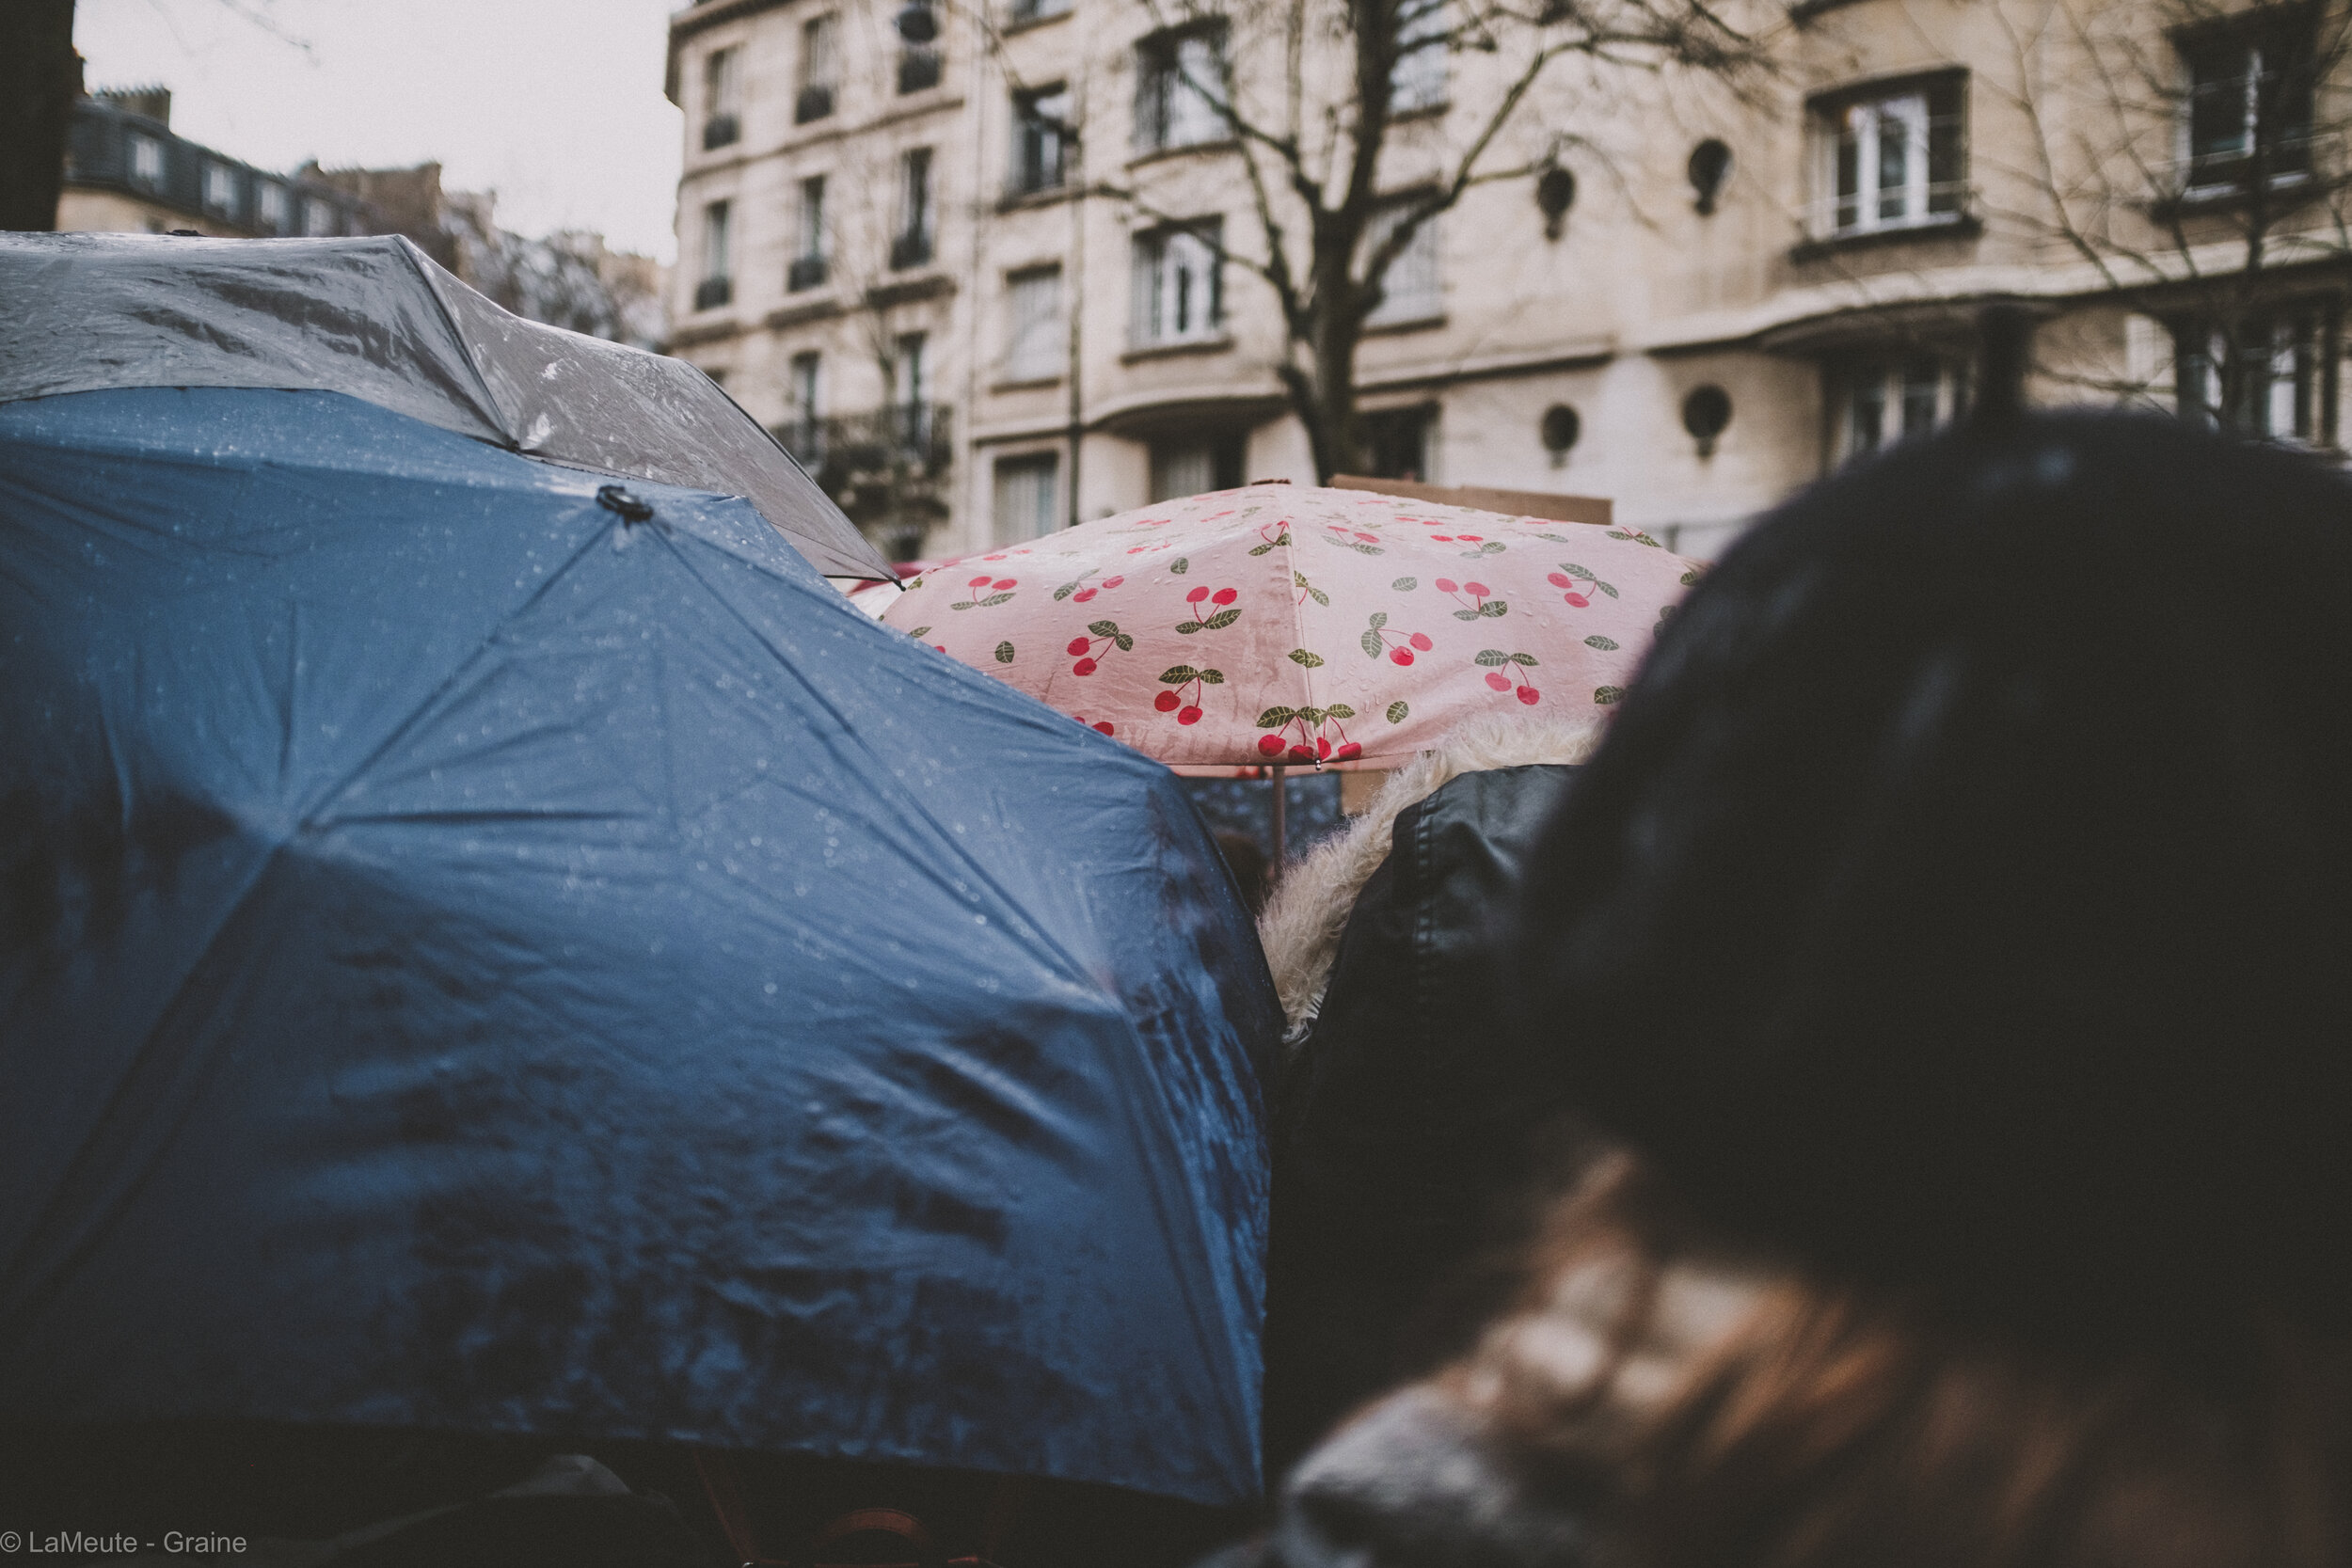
(1078, 645)
(980, 581)
(1323, 747)
(1560, 579)
(1003, 583)
(1196, 595)
(1165, 702)
(1110, 582)
(1269, 745)
(1447, 585)
(1087, 667)
(1442, 538)
(1400, 655)
(1494, 678)
(991, 558)
(1082, 595)
(1190, 716)
(1303, 754)
(1105, 726)
(1349, 752)
(1368, 538)
(1223, 596)
(1472, 539)
(1577, 599)
(941, 646)
(1528, 694)
(1420, 640)
(1478, 589)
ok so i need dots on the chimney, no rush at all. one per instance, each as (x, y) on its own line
(154, 103)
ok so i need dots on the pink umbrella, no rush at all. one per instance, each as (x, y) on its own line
(1297, 625)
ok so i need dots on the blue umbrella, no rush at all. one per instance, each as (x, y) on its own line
(484, 948)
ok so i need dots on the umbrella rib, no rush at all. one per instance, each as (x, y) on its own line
(1298, 623)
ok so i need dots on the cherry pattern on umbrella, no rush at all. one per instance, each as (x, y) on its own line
(1575, 580)
(987, 590)
(1503, 673)
(1354, 539)
(1104, 634)
(1079, 589)
(1312, 744)
(1375, 641)
(1105, 725)
(1220, 614)
(1472, 597)
(1189, 684)
(1282, 535)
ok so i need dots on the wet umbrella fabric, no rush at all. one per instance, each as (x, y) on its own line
(377, 319)
(472, 960)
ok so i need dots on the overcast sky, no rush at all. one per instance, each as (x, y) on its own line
(556, 105)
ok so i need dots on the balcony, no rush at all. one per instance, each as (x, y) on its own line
(711, 293)
(918, 70)
(911, 250)
(721, 131)
(814, 103)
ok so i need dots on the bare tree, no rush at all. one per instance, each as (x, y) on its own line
(1314, 96)
(2190, 158)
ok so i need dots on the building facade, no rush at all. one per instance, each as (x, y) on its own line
(127, 173)
(988, 284)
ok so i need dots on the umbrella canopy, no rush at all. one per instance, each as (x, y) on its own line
(1294, 625)
(377, 319)
(476, 953)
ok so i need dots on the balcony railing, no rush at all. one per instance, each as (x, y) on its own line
(1916, 211)
(911, 250)
(711, 293)
(814, 103)
(806, 272)
(721, 131)
(852, 451)
(919, 69)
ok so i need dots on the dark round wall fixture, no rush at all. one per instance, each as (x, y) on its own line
(916, 24)
(1705, 413)
(1555, 192)
(1560, 428)
(1710, 166)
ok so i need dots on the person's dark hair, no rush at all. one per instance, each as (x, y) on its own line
(1963, 897)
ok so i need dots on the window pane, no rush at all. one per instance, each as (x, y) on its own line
(1178, 469)
(1034, 349)
(1410, 289)
(1866, 411)
(1922, 387)
(1418, 79)
(715, 226)
(1025, 495)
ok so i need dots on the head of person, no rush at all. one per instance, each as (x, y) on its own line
(1956, 928)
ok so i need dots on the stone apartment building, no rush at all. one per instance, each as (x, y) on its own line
(905, 257)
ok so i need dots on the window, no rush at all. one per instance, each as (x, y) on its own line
(2249, 102)
(1179, 290)
(808, 263)
(1041, 121)
(220, 188)
(146, 161)
(913, 248)
(1034, 343)
(804, 434)
(911, 411)
(1410, 291)
(1180, 79)
(1416, 80)
(717, 286)
(269, 202)
(2280, 383)
(1026, 488)
(920, 67)
(1881, 400)
(1396, 442)
(1893, 159)
(1192, 467)
(1037, 10)
(820, 67)
(319, 217)
(722, 111)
